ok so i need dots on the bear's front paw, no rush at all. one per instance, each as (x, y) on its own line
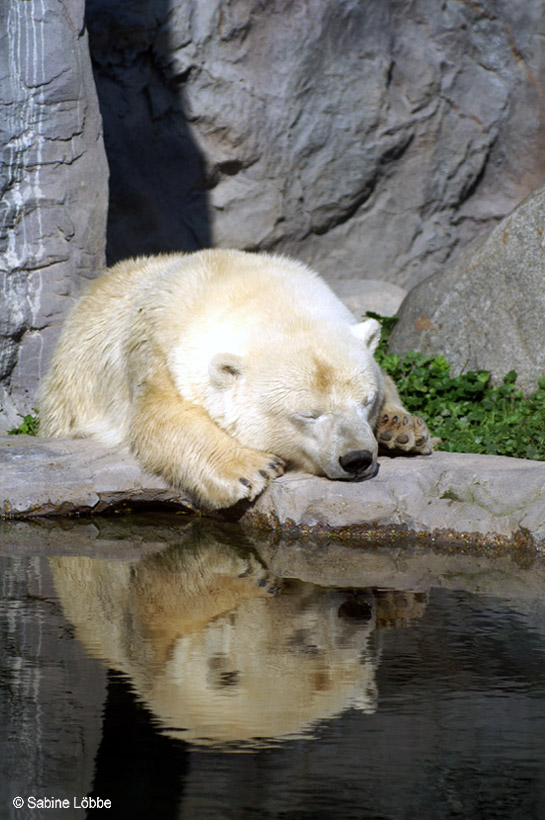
(399, 432)
(258, 472)
(243, 478)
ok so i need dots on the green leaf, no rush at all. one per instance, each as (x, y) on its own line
(28, 427)
(467, 412)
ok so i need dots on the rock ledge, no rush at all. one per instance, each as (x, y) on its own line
(455, 497)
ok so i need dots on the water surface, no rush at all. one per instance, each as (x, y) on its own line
(187, 671)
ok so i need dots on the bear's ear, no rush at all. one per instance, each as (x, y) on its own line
(368, 332)
(224, 370)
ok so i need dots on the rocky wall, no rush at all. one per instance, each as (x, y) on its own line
(371, 139)
(53, 186)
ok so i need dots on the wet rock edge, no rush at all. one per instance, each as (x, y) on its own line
(45, 479)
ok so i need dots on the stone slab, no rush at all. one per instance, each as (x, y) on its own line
(52, 477)
(464, 498)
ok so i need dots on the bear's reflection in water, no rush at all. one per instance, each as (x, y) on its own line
(219, 650)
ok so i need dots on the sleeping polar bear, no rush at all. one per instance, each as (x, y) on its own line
(218, 369)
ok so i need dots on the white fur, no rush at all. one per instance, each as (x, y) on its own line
(206, 365)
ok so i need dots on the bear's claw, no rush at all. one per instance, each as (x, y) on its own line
(240, 477)
(399, 432)
(257, 477)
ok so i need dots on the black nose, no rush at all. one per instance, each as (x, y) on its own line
(356, 462)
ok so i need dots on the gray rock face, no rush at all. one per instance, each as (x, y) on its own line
(369, 139)
(372, 140)
(486, 500)
(53, 184)
(361, 295)
(488, 311)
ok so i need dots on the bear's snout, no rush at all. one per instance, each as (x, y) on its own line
(357, 463)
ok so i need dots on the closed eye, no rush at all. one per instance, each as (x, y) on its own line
(310, 415)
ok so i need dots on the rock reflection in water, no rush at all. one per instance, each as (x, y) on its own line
(220, 650)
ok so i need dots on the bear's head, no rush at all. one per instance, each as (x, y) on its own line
(308, 393)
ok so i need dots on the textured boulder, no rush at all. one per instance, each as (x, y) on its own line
(487, 312)
(53, 186)
(371, 139)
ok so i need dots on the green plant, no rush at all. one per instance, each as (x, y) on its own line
(467, 412)
(29, 425)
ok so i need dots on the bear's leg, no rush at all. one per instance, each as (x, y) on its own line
(397, 430)
(179, 441)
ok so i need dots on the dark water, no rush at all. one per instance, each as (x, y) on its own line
(188, 672)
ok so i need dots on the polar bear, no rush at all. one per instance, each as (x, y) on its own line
(219, 368)
(218, 648)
